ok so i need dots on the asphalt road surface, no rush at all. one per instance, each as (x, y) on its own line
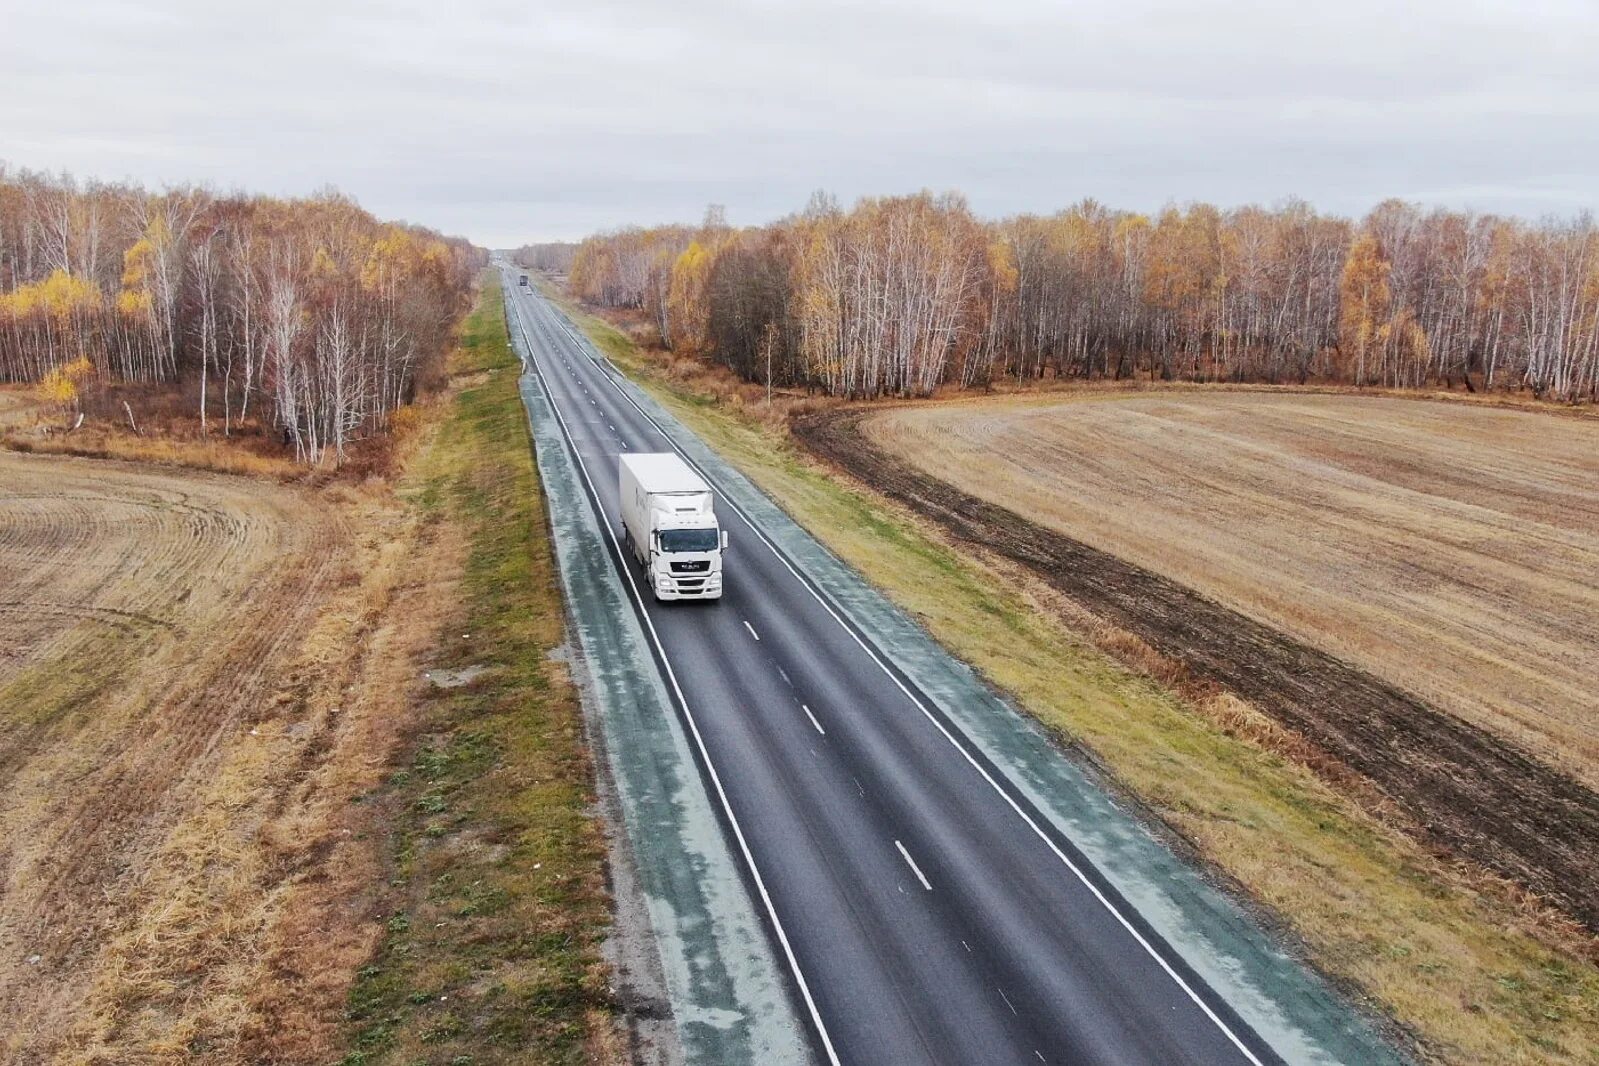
(927, 914)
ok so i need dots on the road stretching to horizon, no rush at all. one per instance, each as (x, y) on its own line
(927, 914)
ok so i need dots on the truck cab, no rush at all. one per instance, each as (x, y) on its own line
(670, 526)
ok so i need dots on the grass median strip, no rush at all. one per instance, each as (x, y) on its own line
(1456, 968)
(499, 906)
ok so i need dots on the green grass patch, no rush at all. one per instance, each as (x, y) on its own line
(61, 687)
(491, 953)
(1454, 967)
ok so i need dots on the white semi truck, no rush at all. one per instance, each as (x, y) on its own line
(669, 524)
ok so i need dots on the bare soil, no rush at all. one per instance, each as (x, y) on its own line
(183, 729)
(1450, 548)
(141, 619)
(1461, 787)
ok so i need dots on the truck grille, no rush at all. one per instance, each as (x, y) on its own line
(697, 566)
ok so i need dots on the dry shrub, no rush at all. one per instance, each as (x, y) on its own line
(405, 423)
(220, 455)
(1135, 652)
(247, 452)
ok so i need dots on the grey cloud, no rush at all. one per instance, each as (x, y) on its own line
(546, 118)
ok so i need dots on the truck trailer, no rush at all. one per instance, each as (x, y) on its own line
(669, 525)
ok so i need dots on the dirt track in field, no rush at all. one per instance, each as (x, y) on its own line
(144, 616)
(1467, 789)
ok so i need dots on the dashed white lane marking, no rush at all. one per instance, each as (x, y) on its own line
(751, 628)
(917, 870)
(967, 946)
(1006, 998)
(784, 675)
(694, 729)
(961, 748)
(814, 722)
(862, 791)
(1001, 790)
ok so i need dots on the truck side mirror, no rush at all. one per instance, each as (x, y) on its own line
(655, 542)
(724, 540)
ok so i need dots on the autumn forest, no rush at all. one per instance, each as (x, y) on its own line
(308, 319)
(900, 295)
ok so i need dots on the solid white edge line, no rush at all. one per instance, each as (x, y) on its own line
(1104, 901)
(716, 780)
(917, 870)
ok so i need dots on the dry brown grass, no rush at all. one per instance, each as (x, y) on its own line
(17, 406)
(1451, 549)
(496, 903)
(219, 456)
(199, 676)
(178, 648)
(229, 789)
(169, 434)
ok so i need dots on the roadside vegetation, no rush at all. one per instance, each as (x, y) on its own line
(291, 774)
(498, 903)
(1460, 965)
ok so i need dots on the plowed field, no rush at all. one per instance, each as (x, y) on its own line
(1453, 550)
(145, 618)
(1412, 586)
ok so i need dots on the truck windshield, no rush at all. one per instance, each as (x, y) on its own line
(690, 540)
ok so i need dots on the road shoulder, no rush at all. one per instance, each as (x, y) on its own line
(729, 995)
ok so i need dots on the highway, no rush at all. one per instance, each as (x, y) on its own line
(926, 913)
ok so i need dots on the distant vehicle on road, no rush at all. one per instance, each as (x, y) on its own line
(669, 522)
(523, 281)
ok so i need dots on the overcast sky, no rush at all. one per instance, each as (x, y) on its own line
(552, 118)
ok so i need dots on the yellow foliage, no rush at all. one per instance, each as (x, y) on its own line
(136, 264)
(59, 296)
(388, 258)
(1002, 264)
(437, 255)
(133, 303)
(686, 307)
(64, 384)
(1365, 301)
(322, 264)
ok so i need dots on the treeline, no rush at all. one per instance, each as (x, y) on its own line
(554, 257)
(900, 295)
(309, 316)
